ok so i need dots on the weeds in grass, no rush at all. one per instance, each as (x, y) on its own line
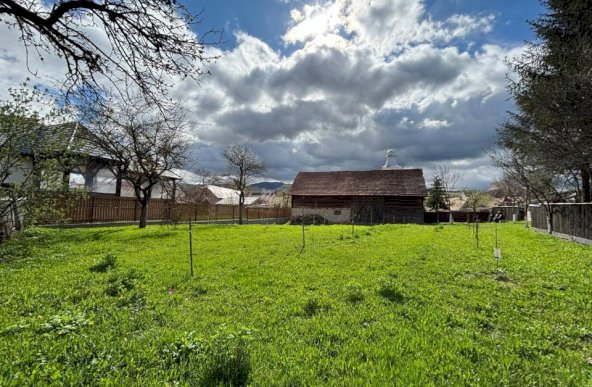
(108, 262)
(183, 349)
(502, 276)
(455, 325)
(122, 282)
(200, 290)
(13, 251)
(312, 307)
(65, 323)
(223, 359)
(390, 289)
(355, 292)
(227, 358)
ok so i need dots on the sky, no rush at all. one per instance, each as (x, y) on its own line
(332, 84)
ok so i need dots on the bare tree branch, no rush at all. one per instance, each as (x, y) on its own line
(147, 40)
(142, 145)
(243, 165)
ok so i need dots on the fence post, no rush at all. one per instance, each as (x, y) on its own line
(233, 213)
(92, 209)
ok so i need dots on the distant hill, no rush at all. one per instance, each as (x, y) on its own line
(268, 185)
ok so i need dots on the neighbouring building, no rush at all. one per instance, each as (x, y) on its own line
(93, 174)
(388, 195)
(214, 194)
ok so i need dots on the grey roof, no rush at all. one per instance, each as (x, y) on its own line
(387, 182)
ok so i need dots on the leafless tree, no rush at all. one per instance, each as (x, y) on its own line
(242, 166)
(450, 177)
(197, 192)
(109, 40)
(544, 183)
(476, 199)
(143, 144)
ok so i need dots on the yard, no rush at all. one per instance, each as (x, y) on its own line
(393, 304)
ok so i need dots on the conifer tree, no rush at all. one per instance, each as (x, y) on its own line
(552, 124)
(437, 195)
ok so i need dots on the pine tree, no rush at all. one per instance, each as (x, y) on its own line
(552, 124)
(437, 195)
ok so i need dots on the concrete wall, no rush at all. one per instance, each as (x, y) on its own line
(332, 215)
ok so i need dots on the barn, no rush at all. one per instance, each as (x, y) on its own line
(390, 195)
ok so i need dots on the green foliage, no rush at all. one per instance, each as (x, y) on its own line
(64, 324)
(121, 283)
(32, 160)
(222, 359)
(451, 315)
(312, 306)
(390, 289)
(437, 196)
(227, 359)
(547, 136)
(108, 262)
(355, 292)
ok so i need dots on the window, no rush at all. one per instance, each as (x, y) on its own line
(337, 212)
(104, 182)
(76, 181)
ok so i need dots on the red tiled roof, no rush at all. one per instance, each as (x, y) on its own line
(388, 182)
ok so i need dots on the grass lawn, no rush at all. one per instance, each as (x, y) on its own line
(394, 304)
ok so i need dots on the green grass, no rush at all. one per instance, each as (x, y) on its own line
(396, 304)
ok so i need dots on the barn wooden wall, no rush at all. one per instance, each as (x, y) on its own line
(368, 209)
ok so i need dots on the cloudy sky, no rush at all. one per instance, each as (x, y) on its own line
(331, 85)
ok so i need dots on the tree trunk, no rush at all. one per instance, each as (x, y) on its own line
(16, 213)
(526, 206)
(18, 226)
(549, 211)
(143, 213)
(241, 201)
(585, 173)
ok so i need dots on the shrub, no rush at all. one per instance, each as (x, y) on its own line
(183, 348)
(312, 307)
(227, 359)
(121, 283)
(108, 262)
(355, 292)
(223, 359)
(66, 323)
(391, 290)
(309, 220)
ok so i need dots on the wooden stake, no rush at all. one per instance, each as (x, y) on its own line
(190, 247)
(303, 241)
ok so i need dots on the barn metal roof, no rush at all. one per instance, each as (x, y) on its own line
(388, 182)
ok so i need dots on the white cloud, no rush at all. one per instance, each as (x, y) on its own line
(296, 15)
(385, 26)
(434, 124)
(361, 76)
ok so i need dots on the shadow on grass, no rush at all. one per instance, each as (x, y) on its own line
(20, 246)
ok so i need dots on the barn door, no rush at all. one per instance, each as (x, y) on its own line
(368, 211)
(377, 211)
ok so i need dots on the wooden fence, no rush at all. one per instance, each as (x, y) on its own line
(458, 216)
(509, 211)
(99, 209)
(573, 219)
